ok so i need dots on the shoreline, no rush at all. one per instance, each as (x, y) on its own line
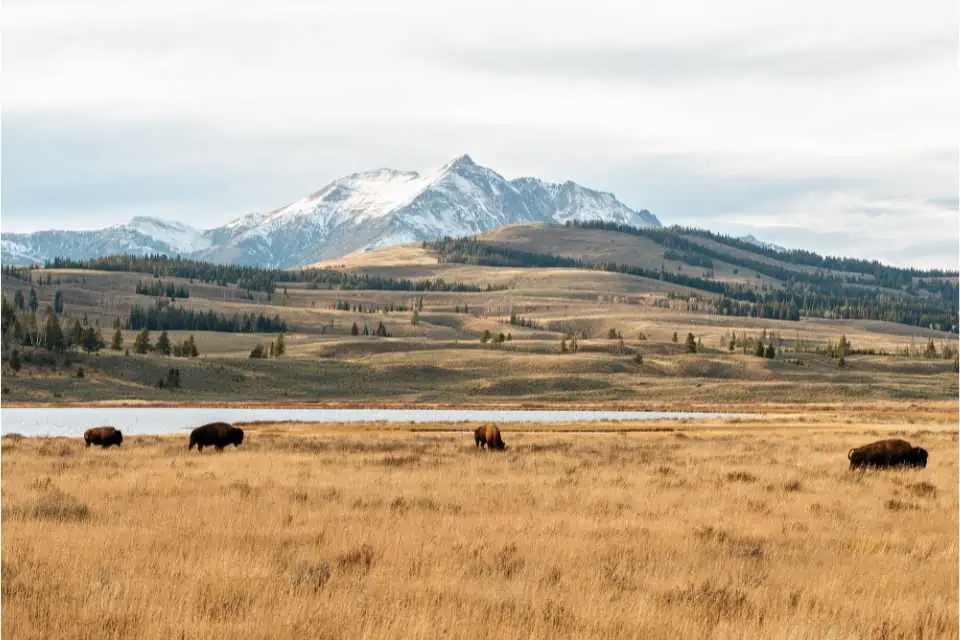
(668, 406)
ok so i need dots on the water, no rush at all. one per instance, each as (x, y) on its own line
(132, 421)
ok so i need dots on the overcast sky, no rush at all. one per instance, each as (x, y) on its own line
(825, 124)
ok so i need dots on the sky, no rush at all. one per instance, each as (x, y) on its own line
(826, 124)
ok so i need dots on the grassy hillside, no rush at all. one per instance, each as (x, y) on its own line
(631, 334)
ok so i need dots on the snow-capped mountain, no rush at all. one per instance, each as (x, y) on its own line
(360, 211)
(140, 235)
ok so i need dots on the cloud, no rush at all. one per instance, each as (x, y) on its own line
(715, 59)
(904, 231)
(706, 113)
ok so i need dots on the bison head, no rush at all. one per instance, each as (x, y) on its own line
(118, 438)
(919, 456)
(236, 436)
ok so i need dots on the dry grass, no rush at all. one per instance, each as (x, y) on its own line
(440, 359)
(733, 533)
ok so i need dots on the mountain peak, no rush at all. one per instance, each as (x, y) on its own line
(141, 221)
(460, 162)
(365, 210)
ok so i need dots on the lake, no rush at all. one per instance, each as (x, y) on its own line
(150, 421)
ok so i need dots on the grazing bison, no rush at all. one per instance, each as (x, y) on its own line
(103, 436)
(215, 434)
(488, 435)
(887, 453)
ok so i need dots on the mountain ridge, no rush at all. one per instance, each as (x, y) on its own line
(360, 211)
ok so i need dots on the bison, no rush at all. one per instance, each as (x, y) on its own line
(215, 434)
(488, 435)
(887, 453)
(103, 436)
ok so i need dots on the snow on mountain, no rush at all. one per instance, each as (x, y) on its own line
(179, 237)
(752, 239)
(366, 210)
(140, 235)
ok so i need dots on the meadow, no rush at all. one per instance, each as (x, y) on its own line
(750, 530)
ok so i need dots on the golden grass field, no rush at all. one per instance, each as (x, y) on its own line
(437, 357)
(749, 530)
(441, 360)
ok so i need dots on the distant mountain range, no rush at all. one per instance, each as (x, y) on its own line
(358, 212)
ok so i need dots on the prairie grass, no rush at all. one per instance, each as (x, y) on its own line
(725, 533)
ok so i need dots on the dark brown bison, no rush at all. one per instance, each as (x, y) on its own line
(488, 435)
(887, 453)
(103, 436)
(217, 435)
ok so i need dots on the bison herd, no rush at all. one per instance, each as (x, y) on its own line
(881, 454)
(216, 434)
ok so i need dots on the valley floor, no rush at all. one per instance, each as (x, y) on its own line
(631, 348)
(752, 530)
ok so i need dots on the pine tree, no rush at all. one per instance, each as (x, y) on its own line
(8, 315)
(843, 347)
(415, 318)
(18, 300)
(485, 338)
(675, 337)
(117, 343)
(58, 302)
(691, 343)
(76, 334)
(612, 334)
(281, 347)
(15, 360)
(142, 342)
(53, 335)
(563, 344)
(733, 343)
(92, 340)
(34, 303)
(354, 330)
(931, 351)
(163, 344)
(759, 350)
(770, 352)
(190, 348)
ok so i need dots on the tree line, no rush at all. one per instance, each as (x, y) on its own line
(169, 317)
(254, 278)
(158, 289)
